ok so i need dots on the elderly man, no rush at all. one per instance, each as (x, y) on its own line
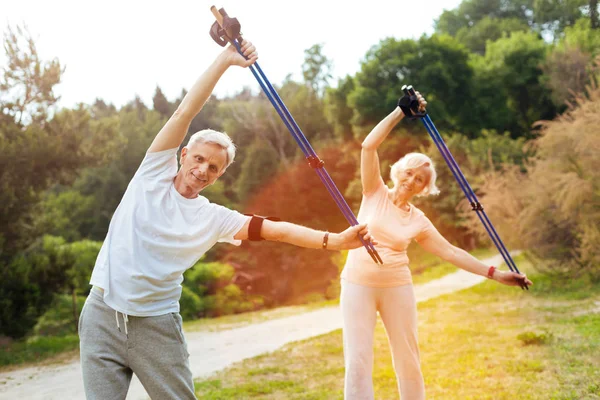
(130, 321)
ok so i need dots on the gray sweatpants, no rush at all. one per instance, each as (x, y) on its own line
(153, 348)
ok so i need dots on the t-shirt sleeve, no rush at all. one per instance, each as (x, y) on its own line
(157, 165)
(230, 223)
(427, 229)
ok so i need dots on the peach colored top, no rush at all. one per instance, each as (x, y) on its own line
(394, 229)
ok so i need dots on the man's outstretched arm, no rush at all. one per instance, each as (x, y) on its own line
(310, 238)
(174, 131)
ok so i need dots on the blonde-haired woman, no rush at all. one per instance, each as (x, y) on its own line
(368, 288)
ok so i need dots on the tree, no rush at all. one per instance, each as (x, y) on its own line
(547, 17)
(106, 183)
(509, 92)
(555, 15)
(437, 66)
(27, 83)
(488, 29)
(260, 164)
(470, 12)
(316, 68)
(161, 104)
(337, 110)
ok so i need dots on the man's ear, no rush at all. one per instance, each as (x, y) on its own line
(183, 153)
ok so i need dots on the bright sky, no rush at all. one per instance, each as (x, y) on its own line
(115, 49)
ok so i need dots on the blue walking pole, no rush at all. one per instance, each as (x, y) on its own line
(409, 105)
(227, 29)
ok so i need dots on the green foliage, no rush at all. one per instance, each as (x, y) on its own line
(67, 214)
(582, 36)
(137, 127)
(161, 104)
(316, 68)
(55, 153)
(59, 320)
(488, 29)
(190, 304)
(206, 278)
(509, 91)
(231, 300)
(337, 110)
(208, 292)
(557, 15)
(30, 282)
(535, 338)
(548, 17)
(470, 12)
(27, 82)
(260, 165)
(36, 348)
(436, 66)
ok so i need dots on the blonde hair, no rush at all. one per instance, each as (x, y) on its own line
(413, 161)
(215, 137)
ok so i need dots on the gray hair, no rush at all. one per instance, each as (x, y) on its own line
(412, 161)
(215, 137)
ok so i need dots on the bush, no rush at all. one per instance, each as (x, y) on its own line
(232, 300)
(533, 338)
(59, 320)
(554, 209)
(190, 304)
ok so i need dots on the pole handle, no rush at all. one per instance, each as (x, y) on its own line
(225, 29)
(217, 15)
(409, 104)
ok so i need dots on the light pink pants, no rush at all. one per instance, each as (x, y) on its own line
(398, 310)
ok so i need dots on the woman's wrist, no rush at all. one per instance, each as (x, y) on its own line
(497, 275)
(398, 114)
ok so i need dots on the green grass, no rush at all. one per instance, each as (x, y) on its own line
(37, 349)
(486, 342)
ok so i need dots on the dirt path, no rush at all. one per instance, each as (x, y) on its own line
(213, 351)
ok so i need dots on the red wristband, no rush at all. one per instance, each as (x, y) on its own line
(491, 271)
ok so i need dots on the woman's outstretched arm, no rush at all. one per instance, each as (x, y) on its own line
(436, 244)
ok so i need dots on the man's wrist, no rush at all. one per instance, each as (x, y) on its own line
(333, 242)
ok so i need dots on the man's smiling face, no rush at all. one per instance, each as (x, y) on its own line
(202, 164)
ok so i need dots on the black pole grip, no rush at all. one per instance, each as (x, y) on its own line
(409, 103)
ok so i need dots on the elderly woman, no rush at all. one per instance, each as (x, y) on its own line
(368, 288)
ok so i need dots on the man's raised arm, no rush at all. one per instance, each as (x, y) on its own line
(174, 131)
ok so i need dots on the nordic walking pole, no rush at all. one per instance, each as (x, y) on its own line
(409, 105)
(227, 29)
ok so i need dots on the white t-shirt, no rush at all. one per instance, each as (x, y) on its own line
(154, 236)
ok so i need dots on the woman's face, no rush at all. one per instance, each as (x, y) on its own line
(412, 181)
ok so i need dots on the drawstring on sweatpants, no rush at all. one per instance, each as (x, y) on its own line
(125, 320)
